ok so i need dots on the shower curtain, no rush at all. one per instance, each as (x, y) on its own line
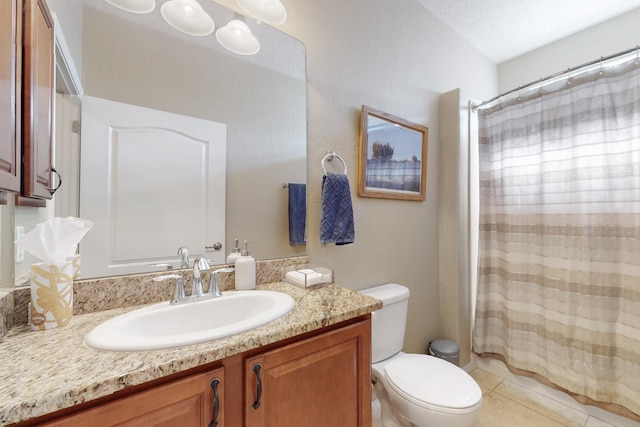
(558, 292)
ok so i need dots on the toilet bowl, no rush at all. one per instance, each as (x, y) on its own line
(415, 389)
(426, 391)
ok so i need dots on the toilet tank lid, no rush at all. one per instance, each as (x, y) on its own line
(388, 294)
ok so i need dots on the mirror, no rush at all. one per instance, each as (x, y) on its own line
(138, 59)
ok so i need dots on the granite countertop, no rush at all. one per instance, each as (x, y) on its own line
(44, 371)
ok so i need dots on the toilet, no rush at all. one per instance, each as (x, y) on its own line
(415, 389)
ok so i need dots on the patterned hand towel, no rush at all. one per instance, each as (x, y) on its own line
(297, 214)
(336, 221)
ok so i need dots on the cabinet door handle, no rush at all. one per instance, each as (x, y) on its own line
(53, 190)
(216, 402)
(256, 369)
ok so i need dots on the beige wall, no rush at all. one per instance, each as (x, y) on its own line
(453, 227)
(396, 57)
(68, 14)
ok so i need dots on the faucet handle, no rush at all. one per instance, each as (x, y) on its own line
(166, 265)
(178, 292)
(214, 287)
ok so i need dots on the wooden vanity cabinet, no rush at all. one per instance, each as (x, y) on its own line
(10, 96)
(320, 379)
(184, 402)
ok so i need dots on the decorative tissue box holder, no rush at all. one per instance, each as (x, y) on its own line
(52, 294)
(307, 276)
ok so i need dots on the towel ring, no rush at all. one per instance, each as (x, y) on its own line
(329, 157)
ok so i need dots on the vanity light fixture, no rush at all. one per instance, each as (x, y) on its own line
(187, 16)
(134, 6)
(269, 11)
(237, 37)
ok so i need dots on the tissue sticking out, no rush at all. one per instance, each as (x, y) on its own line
(55, 242)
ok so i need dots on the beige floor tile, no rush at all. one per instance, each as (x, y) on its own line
(550, 408)
(485, 390)
(485, 380)
(499, 411)
(594, 422)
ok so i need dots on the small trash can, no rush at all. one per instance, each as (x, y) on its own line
(445, 349)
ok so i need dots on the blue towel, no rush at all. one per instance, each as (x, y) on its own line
(336, 221)
(297, 214)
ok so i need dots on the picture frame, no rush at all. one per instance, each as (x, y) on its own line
(392, 157)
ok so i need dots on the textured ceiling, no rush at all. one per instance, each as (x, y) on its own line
(504, 29)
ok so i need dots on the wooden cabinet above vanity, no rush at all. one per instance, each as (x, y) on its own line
(37, 99)
(10, 86)
(26, 101)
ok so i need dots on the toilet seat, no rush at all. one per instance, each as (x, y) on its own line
(433, 383)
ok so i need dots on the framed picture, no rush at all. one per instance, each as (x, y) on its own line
(392, 157)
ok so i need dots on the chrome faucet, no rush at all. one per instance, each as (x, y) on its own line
(214, 288)
(183, 251)
(199, 265)
(197, 293)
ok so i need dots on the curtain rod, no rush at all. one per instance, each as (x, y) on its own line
(602, 59)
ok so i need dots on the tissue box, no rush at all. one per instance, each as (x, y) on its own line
(307, 276)
(52, 294)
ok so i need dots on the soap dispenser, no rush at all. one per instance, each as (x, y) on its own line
(245, 270)
(234, 255)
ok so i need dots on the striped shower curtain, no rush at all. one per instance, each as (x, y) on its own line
(558, 292)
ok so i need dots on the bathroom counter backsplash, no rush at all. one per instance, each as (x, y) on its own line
(45, 371)
(107, 293)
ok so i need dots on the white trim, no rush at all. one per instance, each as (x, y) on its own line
(64, 60)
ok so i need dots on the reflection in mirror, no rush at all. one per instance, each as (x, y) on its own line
(139, 60)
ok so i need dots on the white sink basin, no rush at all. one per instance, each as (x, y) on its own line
(164, 325)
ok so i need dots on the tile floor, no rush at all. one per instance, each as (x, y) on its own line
(506, 403)
(509, 403)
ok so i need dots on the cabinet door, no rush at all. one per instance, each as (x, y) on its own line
(37, 100)
(188, 402)
(10, 57)
(321, 381)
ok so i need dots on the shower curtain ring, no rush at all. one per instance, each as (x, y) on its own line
(601, 59)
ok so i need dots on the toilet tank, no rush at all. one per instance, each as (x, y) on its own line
(388, 323)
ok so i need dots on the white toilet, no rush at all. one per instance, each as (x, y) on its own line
(415, 389)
